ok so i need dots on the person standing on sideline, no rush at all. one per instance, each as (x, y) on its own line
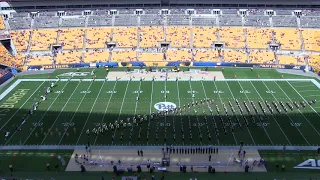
(138, 153)
(209, 157)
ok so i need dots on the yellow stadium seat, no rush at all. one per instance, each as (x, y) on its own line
(2, 26)
(96, 56)
(21, 39)
(204, 36)
(42, 39)
(7, 59)
(71, 38)
(151, 36)
(126, 36)
(233, 37)
(70, 57)
(292, 60)
(206, 55)
(178, 36)
(150, 57)
(261, 57)
(39, 60)
(234, 56)
(311, 39)
(178, 55)
(258, 37)
(97, 37)
(314, 60)
(124, 56)
(288, 38)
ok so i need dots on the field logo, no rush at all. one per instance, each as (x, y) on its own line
(75, 74)
(164, 106)
(309, 164)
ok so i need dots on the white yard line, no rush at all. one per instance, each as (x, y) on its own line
(287, 114)
(310, 91)
(21, 106)
(303, 99)
(74, 114)
(234, 100)
(135, 111)
(45, 113)
(304, 86)
(104, 114)
(213, 118)
(151, 105)
(298, 109)
(257, 114)
(198, 125)
(271, 114)
(124, 97)
(178, 92)
(59, 113)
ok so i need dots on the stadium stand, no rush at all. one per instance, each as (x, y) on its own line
(238, 56)
(288, 38)
(70, 57)
(93, 56)
(21, 39)
(178, 36)
(39, 60)
(290, 59)
(97, 37)
(42, 39)
(2, 26)
(233, 37)
(149, 57)
(206, 55)
(204, 36)
(3, 72)
(311, 39)
(258, 37)
(261, 57)
(246, 35)
(124, 56)
(71, 38)
(178, 55)
(125, 36)
(151, 36)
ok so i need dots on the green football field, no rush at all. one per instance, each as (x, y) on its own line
(75, 106)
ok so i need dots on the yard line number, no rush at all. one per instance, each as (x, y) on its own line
(245, 92)
(68, 124)
(270, 92)
(137, 92)
(163, 92)
(218, 92)
(296, 124)
(59, 92)
(99, 124)
(111, 92)
(85, 92)
(37, 124)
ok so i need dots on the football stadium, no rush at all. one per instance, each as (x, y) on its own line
(159, 90)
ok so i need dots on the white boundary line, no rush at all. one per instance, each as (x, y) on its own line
(59, 113)
(257, 114)
(234, 100)
(74, 114)
(104, 114)
(287, 115)
(309, 91)
(7, 91)
(298, 109)
(271, 114)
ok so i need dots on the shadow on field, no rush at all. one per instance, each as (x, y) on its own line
(69, 128)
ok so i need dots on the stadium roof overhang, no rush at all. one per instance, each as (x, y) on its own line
(136, 3)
